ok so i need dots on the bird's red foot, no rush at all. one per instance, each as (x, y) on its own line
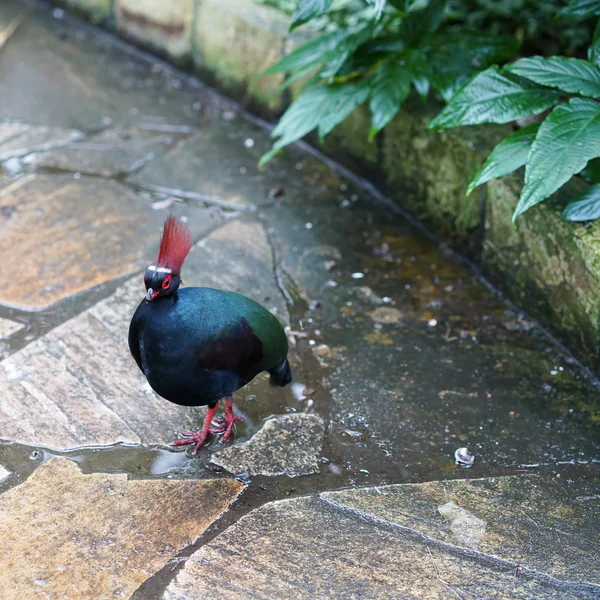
(198, 439)
(224, 425)
(228, 428)
(229, 420)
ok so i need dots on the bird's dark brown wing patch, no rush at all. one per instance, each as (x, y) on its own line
(239, 350)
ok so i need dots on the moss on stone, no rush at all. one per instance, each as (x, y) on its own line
(350, 144)
(547, 265)
(428, 172)
(96, 11)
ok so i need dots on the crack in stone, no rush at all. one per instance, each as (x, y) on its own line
(279, 272)
(583, 587)
(192, 196)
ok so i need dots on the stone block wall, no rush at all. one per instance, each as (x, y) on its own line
(548, 267)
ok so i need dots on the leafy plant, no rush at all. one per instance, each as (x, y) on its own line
(553, 150)
(405, 44)
(379, 53)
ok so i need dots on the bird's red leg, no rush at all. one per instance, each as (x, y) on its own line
(198, 438)
(230, 418)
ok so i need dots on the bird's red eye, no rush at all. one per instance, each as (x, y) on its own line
(166, 284)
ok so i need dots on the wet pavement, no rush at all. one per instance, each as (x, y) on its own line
(400, 354)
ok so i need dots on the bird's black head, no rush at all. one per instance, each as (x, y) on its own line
(160, 281)
(162, 276)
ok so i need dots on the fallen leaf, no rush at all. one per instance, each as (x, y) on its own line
(378, 338)
(386, 314)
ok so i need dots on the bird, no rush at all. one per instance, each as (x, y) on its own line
(198, 345)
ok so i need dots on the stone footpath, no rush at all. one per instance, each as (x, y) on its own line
(342, 485)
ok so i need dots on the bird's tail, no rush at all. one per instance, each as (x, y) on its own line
(282, 375)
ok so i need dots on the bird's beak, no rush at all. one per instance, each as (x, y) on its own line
(150, 294)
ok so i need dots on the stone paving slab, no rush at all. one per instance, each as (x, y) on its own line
(8, 327)
(189, 168)
(546, 524)
(4, 473)
(309, 548)
(18, 139)
(286, 445)
(73, 536)
(96, 11)
(88, 231)
(110, 153)
(93, 83)
(78, 385)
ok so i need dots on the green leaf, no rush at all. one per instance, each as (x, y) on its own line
(484, 48)
(415, 5)
(582, 8)
(316, 52)
(458, 54)
(406, 6)
(370, 53)
(344, 98)
(571, 75)
(565, 142)
(491, 97)
(585, 207)
(509, 155)
(300, 118)
(298, 75)
(419, 69)
(450, 71)
(345, 49)
(379, 5)
(594, 49)
(417, 25)
(323, 106)
(307, 10)
(389, 88)
(422, 86)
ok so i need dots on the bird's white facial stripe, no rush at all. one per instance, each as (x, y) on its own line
(159, 269)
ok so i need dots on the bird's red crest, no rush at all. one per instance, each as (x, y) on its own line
(175, 243)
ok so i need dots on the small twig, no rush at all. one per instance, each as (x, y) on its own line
(526, 515)
(519, 567)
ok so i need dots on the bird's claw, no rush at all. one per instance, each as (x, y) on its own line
(198, 439)
(228, 428)
(223, 424)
